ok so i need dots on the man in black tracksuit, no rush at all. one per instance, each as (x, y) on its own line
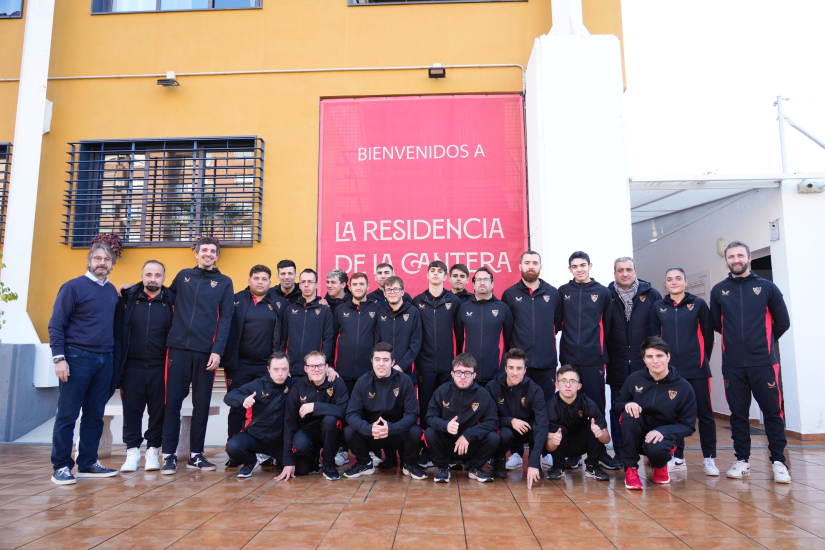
(656, 407)
(633, 306)
(683, 321)
(750, 314)
(382, 273)
(440, 337)
(383, 414)
(142, 321)
(462, 422)
(337, 289)
(204, 307)
(353, 329)
(487, 325)
(255, 334)
(314, 411)
(263, 428)
(459, 277)
(522, 414)
(399, 324)
(287, 288)
(307, 325)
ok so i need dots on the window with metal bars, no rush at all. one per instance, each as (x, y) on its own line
(132, 6)
(164, 193)
(5, 171)
(11, 9)
(373, 2)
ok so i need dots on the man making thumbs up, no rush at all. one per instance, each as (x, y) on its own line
(576, 426)
(383, 414)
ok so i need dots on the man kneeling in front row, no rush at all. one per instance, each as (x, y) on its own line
(656, 407)
(576, 426)
(383, 414)
(265, 402)
(462, 421)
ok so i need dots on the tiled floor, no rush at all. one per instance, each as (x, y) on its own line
(215, 510)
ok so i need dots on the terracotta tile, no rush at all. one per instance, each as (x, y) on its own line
(9, 516)
(549, 527)
(741, 543)
(443, 525)
(239, 521)
(429, 508)
(116, 518)
(206, 504)
(733, 510)
(366, 522)
(765, 527)
(303, 507)
(142, 539)
(378, 506)
(176, 520)
(476, 542)
(670, 510)
(551, 510)
(407, 541)
(485, 525)
(615, 510)
(12, 537)
(53, 518)
(40, 503)
(257, 506)
(341, 540)
(76, 539)
(652, 543)
(691, 527)
(575, 543)
(213, 540)
(500, 509)
(302, 521)
(791, 544)
(285, 540)
(617, 527)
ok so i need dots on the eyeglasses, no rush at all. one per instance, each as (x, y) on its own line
(463, 373)
(484, 280)
(316, 367)
(566, 382)
(393, 290)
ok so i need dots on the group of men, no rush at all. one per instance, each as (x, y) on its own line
(448, 378)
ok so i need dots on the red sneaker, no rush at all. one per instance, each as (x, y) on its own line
(660, 475)
(631, 479)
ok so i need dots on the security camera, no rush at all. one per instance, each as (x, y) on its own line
(811, 186)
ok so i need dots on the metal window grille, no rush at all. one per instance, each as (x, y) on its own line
(164, 193)
(5, 170)
(132, 6)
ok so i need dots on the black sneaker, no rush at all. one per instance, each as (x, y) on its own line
(500, 467)
(197, 462)
(456, 465)
(268, 461)
(359, 470)
(556, 472)
(443, 475)
(330, 472)
(596, 472)
(231, 463)
(314, 468)
(426, 459)
(389, 463)
(482, 476)
(609, 462)
(63, 476)
(414, 471)
(170, 465)
(96, 470)
(572, 462)
(246, 470)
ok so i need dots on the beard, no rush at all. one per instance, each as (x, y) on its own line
(152, 288)
(736, 270)
(530, 276)
(106, 269)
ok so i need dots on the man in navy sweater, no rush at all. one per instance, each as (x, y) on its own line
(82, 340)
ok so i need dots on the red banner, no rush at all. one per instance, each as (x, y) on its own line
(408, 180)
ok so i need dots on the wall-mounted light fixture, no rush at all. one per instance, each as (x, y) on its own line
(170, 80)
(437, 71)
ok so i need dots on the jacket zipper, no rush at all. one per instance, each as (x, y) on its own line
(676, 322)
(742, 326)
(579, 339)
(194, 308)
(357, 338)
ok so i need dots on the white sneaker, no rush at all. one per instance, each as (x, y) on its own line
(132, 460)
(739, 469)
(780, 472)
(341, 458)
(676, 465)
(375, 460)
(710, 467)
(547, 461)
(152, 459)
(514, 462)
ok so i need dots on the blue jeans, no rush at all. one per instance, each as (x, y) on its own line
(88, 390)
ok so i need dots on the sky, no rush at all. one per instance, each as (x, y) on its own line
(702, 77)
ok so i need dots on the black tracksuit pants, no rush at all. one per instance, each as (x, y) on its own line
(576, 444)
(442, 445)
(546, 379)
(428, 382)
(511, 439)
(633, 444)
(707, 422)
(143, 387)
(235, 378)
(615, 427)
(342, 440)
(765, 384)
(409, 444)
(593, 384)
(185, 367)
(308, 441)
(243, 447)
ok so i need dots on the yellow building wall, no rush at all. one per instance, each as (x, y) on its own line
(281, 109)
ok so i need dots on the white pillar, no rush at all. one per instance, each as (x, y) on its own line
(25, 174)
(579, 197)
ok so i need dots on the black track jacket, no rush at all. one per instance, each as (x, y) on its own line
(475, 409)
(625, 337)
(668, 406)
(392, 398)
(306, 327)
(271, 426)
(292, 297)
(751, 315)
(575, 416)
(586, 319)
(487, 326)
(330, 399)
(277, 305)
(440, 335)
(536, 320)
(353, 329)
(524, 401)
(688, 330)
(402, 330)
(204, 307)
(464, 296)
